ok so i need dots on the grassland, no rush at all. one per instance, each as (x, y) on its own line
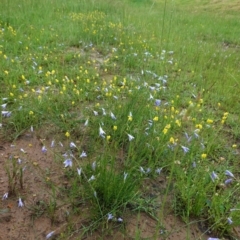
(122, 93)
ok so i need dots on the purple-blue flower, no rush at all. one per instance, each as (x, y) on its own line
(68, 163)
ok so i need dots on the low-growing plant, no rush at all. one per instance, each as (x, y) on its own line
(14, 170)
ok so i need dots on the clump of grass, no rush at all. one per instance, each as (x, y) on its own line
(14, 170)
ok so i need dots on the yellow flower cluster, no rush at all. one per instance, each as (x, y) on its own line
(224, 118)
(167, 127)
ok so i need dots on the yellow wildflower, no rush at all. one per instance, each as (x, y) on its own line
(67, 134)
(209, 121)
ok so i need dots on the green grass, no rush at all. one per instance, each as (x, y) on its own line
(94, 61)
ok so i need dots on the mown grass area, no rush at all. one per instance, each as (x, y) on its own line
(156, 82)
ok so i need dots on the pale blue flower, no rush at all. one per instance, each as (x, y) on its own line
(44, 149)
(189, 138)
(72, 145)
(83, 154)
(120, 219)
(158, 170)
(214, 176)
(20, 203)
(194, 165)
(228, 181)
(68, 163)
(49, 235)
(5, 196)
(228, 173)
(157, 102)
(52, 144)
(6, 113)
(230, 221)
(185, 149)
(110, 216)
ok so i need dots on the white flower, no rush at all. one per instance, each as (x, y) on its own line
(79, 171)
(150, 97)
(91, 178)
(101, 132)
(113, 116)
(68, 163)
(4, 105)
(52, 143)
(104, 112)
(158, 170)
(130, 137)
(125, 176)
(148, 170)
(49, 235)
(20, 203)
(142, 170)
(86, 122)
(95, 113)
(22, 150)
(109, 216)
(120, 219)
(5, 196)
(94, 164)
(83, 154)
(73, 145)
